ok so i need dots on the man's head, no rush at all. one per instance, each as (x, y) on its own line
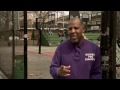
(75, 29)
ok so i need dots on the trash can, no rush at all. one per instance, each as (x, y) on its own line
(19, 67)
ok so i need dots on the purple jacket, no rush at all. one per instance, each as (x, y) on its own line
(84, 59)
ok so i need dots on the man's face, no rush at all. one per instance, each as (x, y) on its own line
(75, 30)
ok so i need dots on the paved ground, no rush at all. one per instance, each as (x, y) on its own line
(48, 51)
(2, 76)
(38, 64)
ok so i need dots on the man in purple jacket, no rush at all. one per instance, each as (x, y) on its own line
(76, 58)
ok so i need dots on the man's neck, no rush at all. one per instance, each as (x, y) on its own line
(76, 43)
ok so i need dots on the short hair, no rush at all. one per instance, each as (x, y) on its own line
(76, 18)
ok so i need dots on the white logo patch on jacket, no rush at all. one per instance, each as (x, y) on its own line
(89, 56)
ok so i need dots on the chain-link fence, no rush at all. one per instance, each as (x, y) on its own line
(5, 45)
(118, 47)
(10, 41)
(111, 22)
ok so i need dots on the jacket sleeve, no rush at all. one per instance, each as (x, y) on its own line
(55, 64)
(96, 71)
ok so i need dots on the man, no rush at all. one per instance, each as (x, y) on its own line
(76, 58)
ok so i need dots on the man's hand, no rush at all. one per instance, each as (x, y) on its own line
(63, 70)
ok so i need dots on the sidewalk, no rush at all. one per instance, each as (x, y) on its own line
(48, 51)
(39, 64)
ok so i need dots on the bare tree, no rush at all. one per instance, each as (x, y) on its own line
(5, 19)
(43, 16)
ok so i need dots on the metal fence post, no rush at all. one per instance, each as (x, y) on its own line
(112, 42)
(25, 44)
(104, 45)
(13, 44)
